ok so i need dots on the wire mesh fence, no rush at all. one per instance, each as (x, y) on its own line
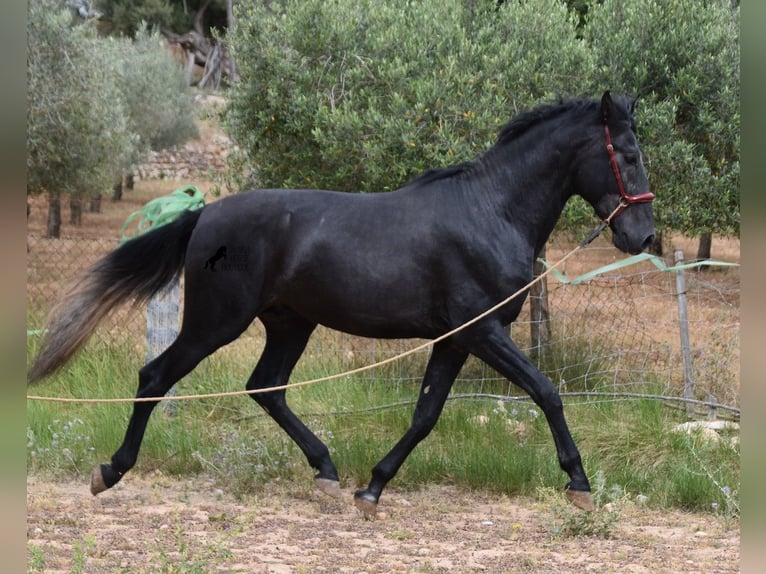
(615, 334)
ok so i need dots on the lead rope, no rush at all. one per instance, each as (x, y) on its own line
(595, 233)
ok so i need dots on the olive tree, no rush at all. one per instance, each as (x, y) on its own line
(683, 58)
(363, 95)
(77, 129)
(158, 103)
(95, 105)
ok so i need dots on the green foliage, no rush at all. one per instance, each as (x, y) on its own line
(364, 95)
(569, 521)
(126, 17)
(683, 57)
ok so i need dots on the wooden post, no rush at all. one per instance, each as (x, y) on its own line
(53, 229)
(540, 315)
(683, 323)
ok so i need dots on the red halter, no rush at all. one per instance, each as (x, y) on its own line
(625, 199)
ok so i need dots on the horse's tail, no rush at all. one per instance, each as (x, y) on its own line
(137, 269)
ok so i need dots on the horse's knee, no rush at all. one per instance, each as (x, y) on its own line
(423, 424)
(269, 401)
(548, 398)
(145, 377)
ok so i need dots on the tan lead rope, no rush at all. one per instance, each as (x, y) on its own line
(412, 351)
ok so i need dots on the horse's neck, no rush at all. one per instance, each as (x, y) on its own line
(529, 187)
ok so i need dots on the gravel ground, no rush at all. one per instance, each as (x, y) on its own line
(153, 523)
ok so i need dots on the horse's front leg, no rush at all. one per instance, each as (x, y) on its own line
(493, 345)
(443, 367)
(286, 337)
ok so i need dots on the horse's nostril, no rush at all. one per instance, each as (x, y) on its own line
(648, 242)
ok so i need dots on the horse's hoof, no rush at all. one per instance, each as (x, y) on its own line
(581, 499)
(329, 487)
(367, 504)
(97, 483)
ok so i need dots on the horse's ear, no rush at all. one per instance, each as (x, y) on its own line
(607, 106)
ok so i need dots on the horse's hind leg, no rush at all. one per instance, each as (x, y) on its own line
(286, 338)
(444, 365)
(155, 380)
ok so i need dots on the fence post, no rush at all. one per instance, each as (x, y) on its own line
(162, 313)
(683, 322)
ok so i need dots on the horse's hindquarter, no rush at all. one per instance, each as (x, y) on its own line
(378, 265)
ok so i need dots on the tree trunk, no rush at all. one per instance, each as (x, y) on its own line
(229, 15)
(130, 181)
(703, 249)
(75, 210)
(54, 216)
(95, 204)
(189, 67)
(540, 315)
(656, 247)
(117, 190)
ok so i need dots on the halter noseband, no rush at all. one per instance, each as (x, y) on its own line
(625, 199)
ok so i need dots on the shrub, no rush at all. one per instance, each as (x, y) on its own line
(364, 95)
(159, 103)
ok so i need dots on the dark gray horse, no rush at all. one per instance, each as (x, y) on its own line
(416, 262)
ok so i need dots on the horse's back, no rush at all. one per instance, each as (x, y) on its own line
(357, 263)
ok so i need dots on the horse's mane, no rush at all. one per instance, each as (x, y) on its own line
(439, 173)
(521, 123)
(516, 127)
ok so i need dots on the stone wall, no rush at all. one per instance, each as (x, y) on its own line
(196, 159)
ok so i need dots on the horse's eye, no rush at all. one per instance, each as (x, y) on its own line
(631, 158)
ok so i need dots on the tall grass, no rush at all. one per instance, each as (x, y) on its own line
(502, 446)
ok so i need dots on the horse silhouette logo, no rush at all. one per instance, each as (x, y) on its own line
(220, 254)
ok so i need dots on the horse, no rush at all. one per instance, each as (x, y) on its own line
(412, 263)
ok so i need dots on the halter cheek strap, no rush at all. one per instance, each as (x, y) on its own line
(625, 199)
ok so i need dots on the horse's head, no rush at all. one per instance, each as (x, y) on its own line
(612, 177)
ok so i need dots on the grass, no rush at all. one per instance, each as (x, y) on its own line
(502, 446)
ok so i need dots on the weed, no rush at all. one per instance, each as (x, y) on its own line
(243, 462)
(64, 445)
(80, 550)
(566, 520)
(189, 556)
(36, 560)
(725, 501)
(399, 534)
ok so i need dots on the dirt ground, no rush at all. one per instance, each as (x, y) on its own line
(153, 523)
